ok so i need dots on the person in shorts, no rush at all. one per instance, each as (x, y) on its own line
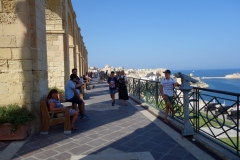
(55, 105)
(166, 89)
(71, 95)
(112, 82)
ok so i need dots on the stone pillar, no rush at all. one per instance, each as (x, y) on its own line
(71, 57)
(55, 43)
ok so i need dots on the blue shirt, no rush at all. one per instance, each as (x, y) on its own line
(69, 93)
(56, 102)
(113, 83)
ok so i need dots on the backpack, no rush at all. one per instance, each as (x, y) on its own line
(121, 82)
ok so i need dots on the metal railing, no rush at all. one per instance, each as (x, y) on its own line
(213, 113)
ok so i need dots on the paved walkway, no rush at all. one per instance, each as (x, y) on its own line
(117, 129)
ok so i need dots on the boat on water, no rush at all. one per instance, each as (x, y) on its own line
(234, 75)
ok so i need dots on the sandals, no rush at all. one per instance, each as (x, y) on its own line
(74, 128)
(165, 121)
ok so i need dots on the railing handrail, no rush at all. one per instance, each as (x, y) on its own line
(217, 91)
(203, 89)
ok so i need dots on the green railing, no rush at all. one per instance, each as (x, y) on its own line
(208, 115)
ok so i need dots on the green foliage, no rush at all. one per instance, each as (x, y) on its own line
(232, 143)
(15, 115)
(59, 90)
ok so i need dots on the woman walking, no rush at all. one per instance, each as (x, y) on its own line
(122, 88)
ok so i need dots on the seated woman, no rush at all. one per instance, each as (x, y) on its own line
(55, 105)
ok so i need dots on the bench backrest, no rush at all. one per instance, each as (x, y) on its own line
(44, 110)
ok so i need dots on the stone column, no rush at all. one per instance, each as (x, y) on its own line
(71, 57)
(55, 42)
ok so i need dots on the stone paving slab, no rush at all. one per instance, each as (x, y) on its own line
(116, 156)
(124, 130)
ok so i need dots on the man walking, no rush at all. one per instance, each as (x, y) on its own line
(112, 82)
(166, 89)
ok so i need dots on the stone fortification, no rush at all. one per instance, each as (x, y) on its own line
(40, 42)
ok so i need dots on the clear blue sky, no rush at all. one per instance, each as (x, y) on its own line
(174, 34)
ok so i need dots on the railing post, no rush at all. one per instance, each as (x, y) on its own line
(133, 86)
(139, 94)
(238, 125)
(147, 92)
(157, 94)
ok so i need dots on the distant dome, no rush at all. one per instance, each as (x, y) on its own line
(107, 66)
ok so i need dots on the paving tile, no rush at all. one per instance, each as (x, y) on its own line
(157, 155)
(141, 138)
(122, 148)
(16, 157)
(162, 149)
(57, 137)
(169, 145)
(46, 154)
(150, 134)
(63, 156)
(108, 137)
(77, 135)
(139, 149)
(189, 156)
(83, 140)
(95, 136)
(39, 143)
(157, 139)
(66, 147)
(178, 152)
(171, 157)
(112, 144)
(118, 134)
(126, 124)
(51, 158)
(29, 153)
(31, 158)
(97, 142)
(180, 147)
(24, 148)
(131, 144)
(49, 146)
(81, 149)
(105, 132)
(148, 145)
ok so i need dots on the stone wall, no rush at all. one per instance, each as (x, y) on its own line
(35, 49)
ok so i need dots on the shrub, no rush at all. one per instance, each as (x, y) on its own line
(59, 90)
(15, 115)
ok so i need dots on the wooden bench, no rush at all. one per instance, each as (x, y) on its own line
(48, 119)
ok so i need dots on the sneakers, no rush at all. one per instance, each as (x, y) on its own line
(85, 117)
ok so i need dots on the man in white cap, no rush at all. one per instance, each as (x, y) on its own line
(166, 89)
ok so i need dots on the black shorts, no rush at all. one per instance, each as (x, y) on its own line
(75, 100)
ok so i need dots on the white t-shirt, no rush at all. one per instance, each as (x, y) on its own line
(168, 86)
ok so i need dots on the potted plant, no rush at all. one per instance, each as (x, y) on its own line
(61, 96)
(15, 122)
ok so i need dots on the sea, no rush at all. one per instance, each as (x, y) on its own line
(228, 85)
